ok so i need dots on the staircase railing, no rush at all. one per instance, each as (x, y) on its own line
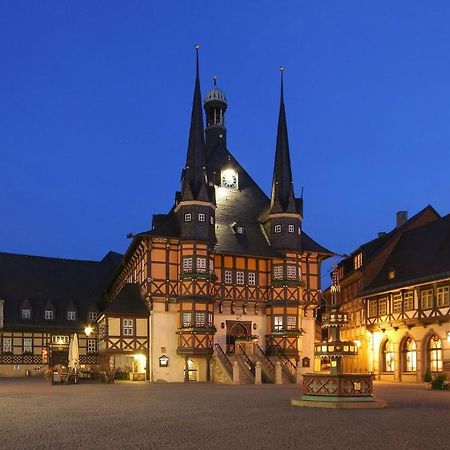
(263, 356)
(289, 366)
(223, 358)
(247, 361)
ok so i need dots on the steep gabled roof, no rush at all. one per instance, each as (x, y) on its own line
(128, 302)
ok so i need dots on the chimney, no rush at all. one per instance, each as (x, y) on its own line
(402, 217)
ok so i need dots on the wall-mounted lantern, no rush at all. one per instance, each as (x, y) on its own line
(163, 361)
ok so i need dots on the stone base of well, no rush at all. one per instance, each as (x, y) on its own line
(309, 401)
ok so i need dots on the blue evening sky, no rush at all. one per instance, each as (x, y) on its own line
(95, 101)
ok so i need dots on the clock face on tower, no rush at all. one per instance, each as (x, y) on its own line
(229, 179)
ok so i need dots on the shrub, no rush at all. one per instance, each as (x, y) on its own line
(427, 377)
(440, 382)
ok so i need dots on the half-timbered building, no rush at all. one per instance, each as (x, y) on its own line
(227, 264)
(396, 292)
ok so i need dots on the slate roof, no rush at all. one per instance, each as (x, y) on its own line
(421, 253)
(43, 281)
(128, 302)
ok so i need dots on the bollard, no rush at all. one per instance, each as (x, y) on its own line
(235, 372)
(278, 373)
(258, 373)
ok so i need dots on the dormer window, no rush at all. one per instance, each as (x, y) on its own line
(49, 314)
(391, 274)
(277, 228)
(188, 217)
(291, 229)
(358, 260)
(25, 313)
(71, 315)
(92, 316)
(201, 217)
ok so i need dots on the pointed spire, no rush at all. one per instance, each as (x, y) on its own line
(196, 154)
(282, 198)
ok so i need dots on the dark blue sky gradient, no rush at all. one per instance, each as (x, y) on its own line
(95, 101)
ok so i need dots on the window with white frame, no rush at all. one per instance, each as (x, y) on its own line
(128, 327)
(277, 272)
(25, 313)
(251, 278)
(187, 319)
(357, 260)
(373, 308)
(211, 220)
(278, 323)
(426, 299)
(408, 300)
(49, 314)
(277, 228)
(201, 217)
(228, 276)
(211, 266)
(201, 265)
(7, 345)
(442, 296)
(291, 323)
(187, 217)
(27, 345)
(92, 316)
(383, 306)
(60, 340)
(71, 315)
(210, 320)
(291, 229)
(291, 272)
(200, 319)
(91, 346)
(240, 230)
(397, 302)
(187, 264)
(240, 277)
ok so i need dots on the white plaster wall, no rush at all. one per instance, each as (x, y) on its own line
(306, 344)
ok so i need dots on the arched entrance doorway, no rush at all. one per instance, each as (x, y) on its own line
(190, 371)
(235, 330)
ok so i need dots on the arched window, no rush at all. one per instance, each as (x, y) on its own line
(388, 356)
(435, 354)
(409, 355)
(192, 370)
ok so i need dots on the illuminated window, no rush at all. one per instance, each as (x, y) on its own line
(127, 327)
(278, 323)
(200, 319)
(409, 355)
(435, 354)
(291, 272)
(291, 228)
(240, 277)
(373, 308)
(187, 264)
(60, 340)
(426, 299)
(7, 345)
(408, 301)
(388, 357)
(91, 346)
(27, 345)
(277, 272)
(25, 313)
(93, 316)
(228, 277)
(192, 369)
(357, 261)
(188, 217)
(49, 314)
(251, 278)
(391, 274)
(277, 228)
(201, 265)
(71, 315)
(397, 303)
(201, 217)
(291, 323)
(442, 296)
(187, 319)
(383, 306)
